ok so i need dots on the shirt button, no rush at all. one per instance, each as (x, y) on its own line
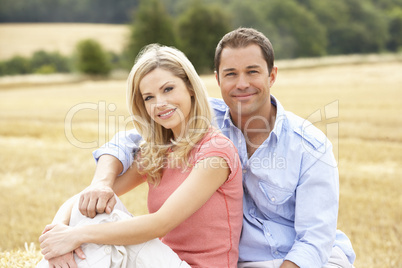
(276, 252)
(273, 199)
(244, 171)
(108, 249)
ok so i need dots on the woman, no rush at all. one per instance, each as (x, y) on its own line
(193, 172)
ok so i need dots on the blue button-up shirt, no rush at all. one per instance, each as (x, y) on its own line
(290, 186)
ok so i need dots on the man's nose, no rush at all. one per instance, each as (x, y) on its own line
(242, 82)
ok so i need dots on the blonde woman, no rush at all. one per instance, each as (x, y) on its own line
(194, 177)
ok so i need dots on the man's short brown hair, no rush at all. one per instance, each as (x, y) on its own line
(243, 37)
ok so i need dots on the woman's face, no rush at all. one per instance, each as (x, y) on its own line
(167, 100)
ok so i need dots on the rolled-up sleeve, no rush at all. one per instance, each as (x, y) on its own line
(122, 146)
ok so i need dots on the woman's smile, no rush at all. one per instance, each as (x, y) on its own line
(167, 114)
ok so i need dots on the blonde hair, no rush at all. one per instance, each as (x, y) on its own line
(157, 147)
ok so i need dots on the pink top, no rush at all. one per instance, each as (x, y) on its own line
(209, 237)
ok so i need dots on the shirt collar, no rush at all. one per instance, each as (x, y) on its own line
(280, 118)
(227, 120)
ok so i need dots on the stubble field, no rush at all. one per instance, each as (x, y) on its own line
(49, 128)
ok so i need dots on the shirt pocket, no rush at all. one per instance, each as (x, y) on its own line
(279, 202)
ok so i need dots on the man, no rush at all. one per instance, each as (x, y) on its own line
(290, 178)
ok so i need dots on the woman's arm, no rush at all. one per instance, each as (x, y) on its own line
(63, 216)
(205, 178)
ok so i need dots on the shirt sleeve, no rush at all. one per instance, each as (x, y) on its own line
(317, 198)
(123, 146)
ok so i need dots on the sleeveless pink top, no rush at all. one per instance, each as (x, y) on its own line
(210, 237)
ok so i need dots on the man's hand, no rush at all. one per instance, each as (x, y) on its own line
(96, 199)
(99, 196)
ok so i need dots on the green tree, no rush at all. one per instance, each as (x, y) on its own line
(3, 68)
(353, 26)
(16, 65)
(249, 14)
(334, 16)
(151, 24)
(200, 29)
(53, 61)
(243, 14)
(300, 33)
(395, 30)
(106, 11)
(91, 58)
(374, 24)
(386, 5)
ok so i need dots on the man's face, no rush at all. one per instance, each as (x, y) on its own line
(245, 81)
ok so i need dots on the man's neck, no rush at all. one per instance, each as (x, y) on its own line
(256, 128)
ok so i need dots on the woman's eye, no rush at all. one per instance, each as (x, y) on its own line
(147, 98)
(168, 89)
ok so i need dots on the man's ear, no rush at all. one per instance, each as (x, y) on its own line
(217, 77)
(273, 75)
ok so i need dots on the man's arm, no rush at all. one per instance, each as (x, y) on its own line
(122, 146)
(99, 196)
(317, 197)
(113, 159)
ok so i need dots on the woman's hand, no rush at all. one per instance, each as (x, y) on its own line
(58, 239)
(67, 260)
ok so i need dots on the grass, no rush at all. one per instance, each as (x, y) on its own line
(44, 160)
(25, 38)
(28, 257)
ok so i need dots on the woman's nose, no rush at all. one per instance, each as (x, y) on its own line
(161, 103)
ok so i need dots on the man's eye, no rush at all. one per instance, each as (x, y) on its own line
(230, 74)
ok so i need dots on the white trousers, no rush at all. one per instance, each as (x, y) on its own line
(337, 259)
(149, 254)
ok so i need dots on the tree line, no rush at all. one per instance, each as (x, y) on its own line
(89, 58)
(297, 28)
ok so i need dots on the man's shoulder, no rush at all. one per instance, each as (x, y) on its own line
(305, 130)
(218, 105)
